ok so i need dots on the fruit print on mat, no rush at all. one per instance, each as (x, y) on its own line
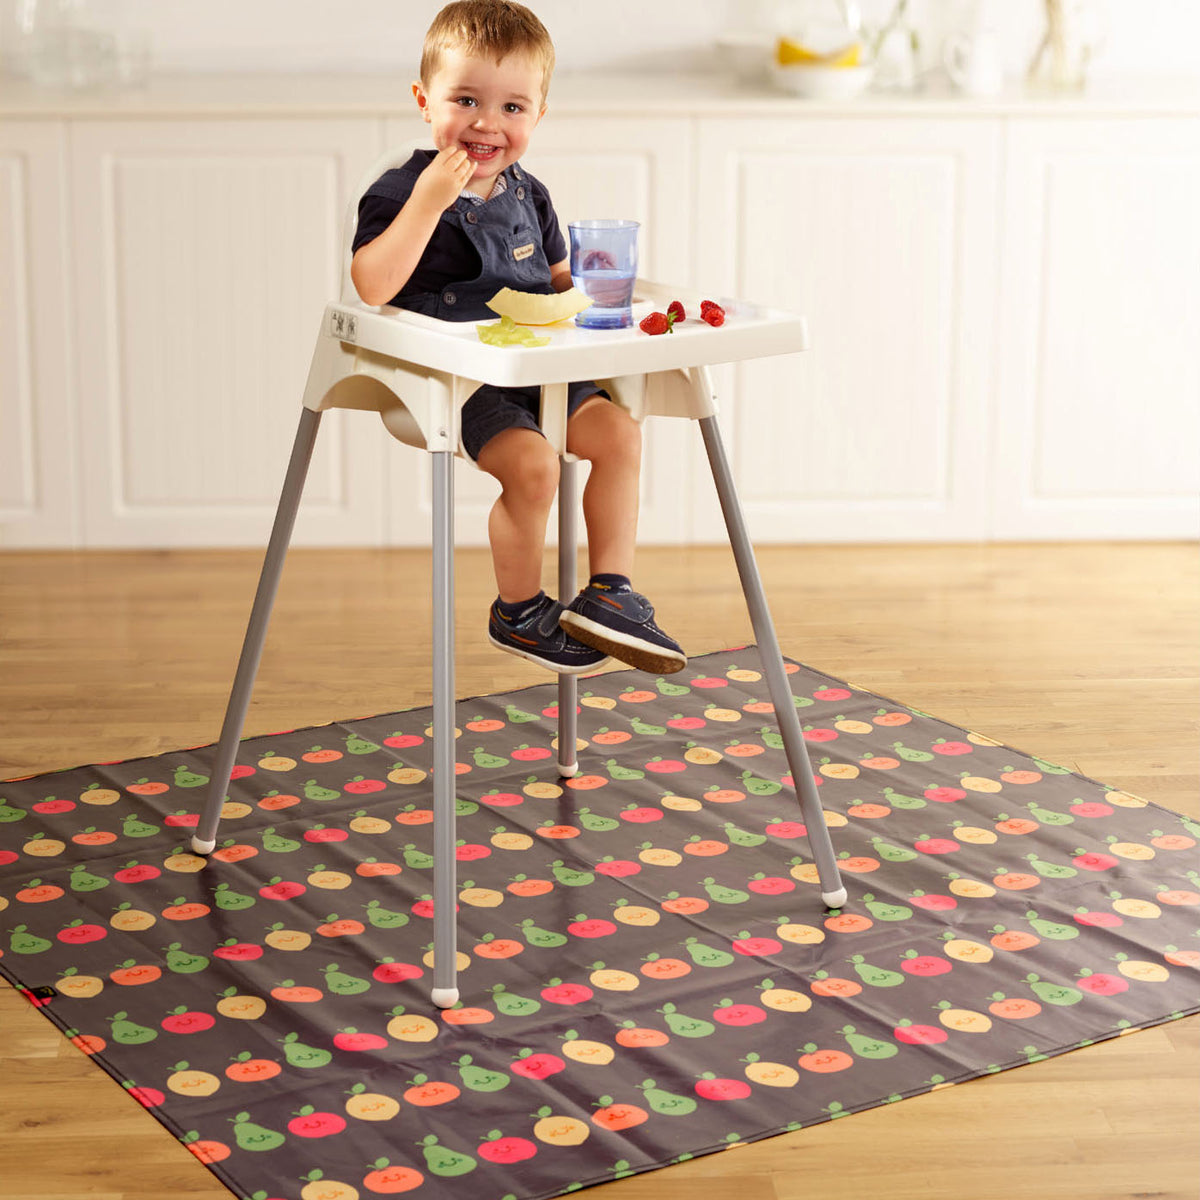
(647, 971)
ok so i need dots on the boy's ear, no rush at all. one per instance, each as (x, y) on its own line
(421, 99)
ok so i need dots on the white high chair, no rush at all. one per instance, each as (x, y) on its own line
(416, 372)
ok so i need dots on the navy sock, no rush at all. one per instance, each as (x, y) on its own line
(519, 610)
(613, 583)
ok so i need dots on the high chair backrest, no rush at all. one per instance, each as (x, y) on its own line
(397, 156)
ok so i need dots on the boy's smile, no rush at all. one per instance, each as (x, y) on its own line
(488, 108)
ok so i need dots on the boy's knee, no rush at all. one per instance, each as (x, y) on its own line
(533, 479)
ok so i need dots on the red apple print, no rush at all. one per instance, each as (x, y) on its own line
(1103, 920)
(238, 951)
(8, 856)
(502, 799)
(362, 787)
(760, 946)
(322, 834)
(722, 1089)
(351, 1039)
(933, 901)
(738, 1014)
(786, 829)
(1092, 808)
(944, 795)
(640, 816)
(709, 681)
(182, 820)
(282, 889)
(538, 1066)
(686, 723)
(147, 1097)
(52, 804)
(812, 734)
(665, 766)
(552, 711)
(566, 993)
(919, 1035)
(771, 885)
(925, 964)
(424, 908)
(618, 867)
(951, 748)
(188, 1022)
(1094, 861)
(506, 1149)
(831, 693)
(396, 972)
(530, 753)
(76, 934)
(936, 846)
(310, 1124)
(401, 741)
(1100, 984)
(136, 873)
(471, 851)
(594, 927)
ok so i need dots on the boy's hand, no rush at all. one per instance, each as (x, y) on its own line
(446, 176)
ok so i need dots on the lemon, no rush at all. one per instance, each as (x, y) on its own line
(789, 53)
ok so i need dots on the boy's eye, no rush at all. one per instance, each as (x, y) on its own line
(465, 101)
(513, 108)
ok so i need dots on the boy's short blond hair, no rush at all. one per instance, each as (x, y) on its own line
(488, 29)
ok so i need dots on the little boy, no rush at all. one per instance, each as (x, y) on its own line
(441, 235)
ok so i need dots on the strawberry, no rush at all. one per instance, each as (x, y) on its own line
(656, 322)
(675, 309)
(712, 313)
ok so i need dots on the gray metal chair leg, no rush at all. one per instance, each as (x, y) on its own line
(445, 890)
(568, 689)
(204, 840)
(832, 890)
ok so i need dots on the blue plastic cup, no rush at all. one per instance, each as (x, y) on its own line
(604, 266)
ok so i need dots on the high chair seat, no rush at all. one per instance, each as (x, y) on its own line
(416, 372)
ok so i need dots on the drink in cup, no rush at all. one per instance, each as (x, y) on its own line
(604, 266)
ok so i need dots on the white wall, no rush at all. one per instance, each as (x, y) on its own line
(1144, 36)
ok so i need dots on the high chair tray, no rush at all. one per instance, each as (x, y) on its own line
(750, 331)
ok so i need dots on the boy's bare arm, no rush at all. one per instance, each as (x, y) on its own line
(560, 275)
(383, 266)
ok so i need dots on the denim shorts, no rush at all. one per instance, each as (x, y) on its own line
(490, 410)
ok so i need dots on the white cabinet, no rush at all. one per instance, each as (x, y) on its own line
(883, 233)
(1097, 418)
(38, 497)
(204, 253)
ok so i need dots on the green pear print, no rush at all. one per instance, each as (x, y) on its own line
(480, 1079)
(443, 1161)
(384, 918)
(360, 745)
(183, 962)
(868, 1047)
(9, 812)
(667, 1103)
(274, 843)
(1053, 993)
(135, 827)
(571, 876)
(314, 791)
(226, 898)
(882, 911)
(511, 1005)
(342, 984)
(21, 941)
(724, 895)
(644, 729)
(300, 1055)
(189, 779)
(130, 1033)
(685, 1026)
(484, 759)
(254, 1137)
(82, 880)
(707, 956)
(518, 716)
(595, 823)
(875, 976)
(1053, 930)
(536, 936)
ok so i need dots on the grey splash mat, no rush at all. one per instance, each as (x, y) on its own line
(648, 971)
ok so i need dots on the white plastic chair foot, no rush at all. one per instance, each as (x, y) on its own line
(203, 845)
(444, 997)
(835, 899)
(568, 770)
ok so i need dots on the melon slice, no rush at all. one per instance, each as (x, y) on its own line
(534, 308)
(506, 332)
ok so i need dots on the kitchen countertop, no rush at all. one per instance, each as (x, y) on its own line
(580, 94)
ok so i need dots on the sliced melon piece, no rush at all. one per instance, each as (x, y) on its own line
(534, 308)
(506, 332)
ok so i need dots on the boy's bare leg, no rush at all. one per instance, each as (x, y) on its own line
(527, 469)
(611, 440)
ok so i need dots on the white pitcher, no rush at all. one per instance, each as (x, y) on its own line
(974, 62)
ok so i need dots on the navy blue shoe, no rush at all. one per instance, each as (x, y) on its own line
(620, 622)
(538, 637)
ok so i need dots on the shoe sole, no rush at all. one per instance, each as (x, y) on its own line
(543, 662)
(645, 656)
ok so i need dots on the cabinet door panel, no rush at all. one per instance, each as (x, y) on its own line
(206, 254)
(592, 167)
(879, 232)
(37, 434)
(1099, 379)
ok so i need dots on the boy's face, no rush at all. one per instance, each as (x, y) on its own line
(487, 108)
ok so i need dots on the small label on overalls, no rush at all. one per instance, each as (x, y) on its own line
(344, 326)
(524, 251)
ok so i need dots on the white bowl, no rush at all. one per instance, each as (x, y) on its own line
(816, 81)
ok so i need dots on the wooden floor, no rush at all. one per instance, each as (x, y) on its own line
(1087, 655)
